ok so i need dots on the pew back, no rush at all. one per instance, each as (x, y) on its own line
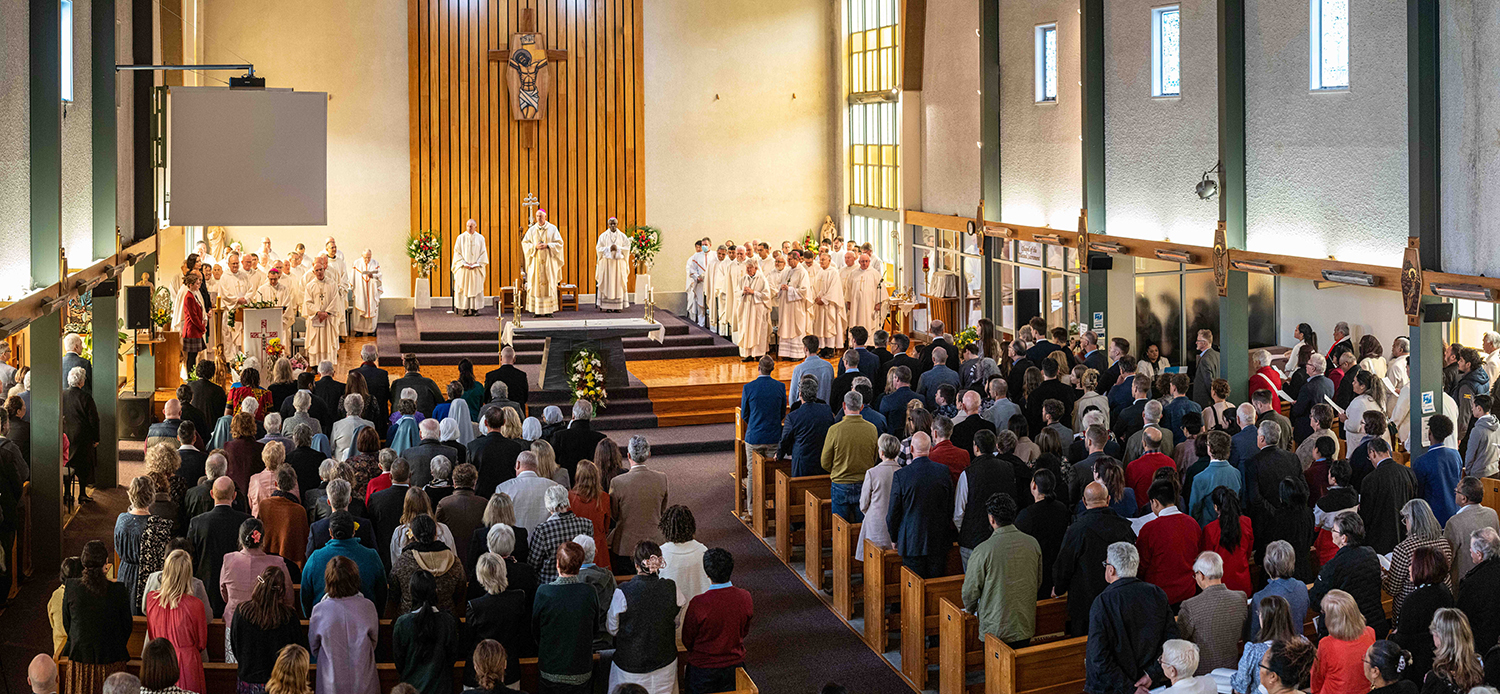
(817, 513)
(1056, 667)
(848, 564)
(789, 509)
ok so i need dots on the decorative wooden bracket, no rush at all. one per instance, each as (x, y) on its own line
(1411, 281)
(1221, 259)
(1083, 241)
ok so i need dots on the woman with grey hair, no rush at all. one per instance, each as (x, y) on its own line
(875, 495)
(1280, 565)
(1422, 530)
(503, 540)
(1179, 659)
(442, 480)
(499, 511)
(316, 500)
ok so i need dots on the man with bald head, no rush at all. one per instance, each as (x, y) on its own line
(42, 675)
(321, 307)
(215, 534)
(1079, 570)
(920, 516)
(968, 420)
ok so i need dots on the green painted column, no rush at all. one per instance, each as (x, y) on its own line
(45, 342)
(45, 337)
(104, 180)
(106, 378)
(1424, 214)
(145, 360)
(1234, 314)
(989, 152)
(1425, 369)
(1094, 286)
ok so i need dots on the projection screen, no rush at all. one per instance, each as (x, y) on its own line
(247, 157)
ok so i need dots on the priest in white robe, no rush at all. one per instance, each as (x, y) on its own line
(320, 302)
(712, 287)
(255, 276)
(234, 291)
(338, 273)
(612, 271)
(294, 272)
(866, 296)
(697, 270)
(731, 272)
(753, 320)
(828, 304)
(793, 305)
(543, 246)
(280, 294)
(201, 250)
(471, 264)
(365, 275)
(268, 257)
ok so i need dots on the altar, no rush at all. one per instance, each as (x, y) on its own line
(564, 337)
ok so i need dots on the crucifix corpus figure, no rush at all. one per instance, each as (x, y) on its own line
(526, 60)
(543, 246)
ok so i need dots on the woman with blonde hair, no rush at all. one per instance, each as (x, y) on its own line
(283, 381)
(263, 483)
(588, 499)
(174, 614)
(917, 419)
(1340, 664)
(289, 675)
(1422, 530)
(414, 504)
(140, 540)
(1091, 398)
(546, 463)
(489, 663)
(1456, 668)
(511, 429)
(500, 509)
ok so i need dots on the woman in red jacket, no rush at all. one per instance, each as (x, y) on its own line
(194, 321)
(1231, 538)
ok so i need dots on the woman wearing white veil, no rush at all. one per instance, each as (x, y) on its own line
(458, 411)
(531, 429)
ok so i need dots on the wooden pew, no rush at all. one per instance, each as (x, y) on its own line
(763, 493)
(817, 515)
(743, 684)
(848, 564)
(920, 619)
(1491, 492)
(1056, 667)
(881, 588)
(789, 508)
(137, 639)
(741, 504)
(961, 651)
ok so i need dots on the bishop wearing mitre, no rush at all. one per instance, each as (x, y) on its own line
(281, 295)
(753, 312)
(543, 246)
(320, 303)
(613, 269)
(471, 262)
(792, 303)
(828, 318)
(865, 294)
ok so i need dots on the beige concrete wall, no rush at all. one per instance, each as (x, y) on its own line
(729, 151)
(355, 51)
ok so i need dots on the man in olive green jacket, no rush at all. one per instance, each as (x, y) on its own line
(851, 448)
(1004, 571)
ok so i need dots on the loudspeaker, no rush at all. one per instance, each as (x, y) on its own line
(133, 414)
(1437, 313)
(1101, 262)
(137, 309)
(1028, 305)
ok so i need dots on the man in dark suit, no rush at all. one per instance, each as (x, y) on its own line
(1263, 474)
(578, 441)
(215, 534)
(80, 422)
(867, 362)
(463, 510)
(893, 405)
(806, 428)
(1043, 346)
(1384, 492)
(939, 339)
(339, 496)
(305, 459)
(1093, 357)
(73, 345)
(899, 358)
(1246, 442)
(192, 414)
(517, 385)
(1207, 369)
(385, 508)
(1052, 388)
(1119, 348)
(192, 460)
(963, 432)
(1128, 623)
(493, 454)
(879, 350)
(1317, 387)
(1129, 419)
(428, 395)
(207, 395)
(377, 381)
(1095, 439)
(165, 431)
(1016, 380)
(849, 369)
(329, 391)
(419, 457)
(200, 499)
(920, 516)
(1084, 547)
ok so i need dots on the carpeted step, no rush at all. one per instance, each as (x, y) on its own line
(707, 438)
(391, 355)
(535, 347)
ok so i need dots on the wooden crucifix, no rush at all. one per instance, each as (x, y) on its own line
(528, 79)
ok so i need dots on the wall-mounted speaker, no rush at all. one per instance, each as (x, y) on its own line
(1101, 262)
(1437, 313)
(137, 308)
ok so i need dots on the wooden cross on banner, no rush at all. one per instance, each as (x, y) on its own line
(528, 81)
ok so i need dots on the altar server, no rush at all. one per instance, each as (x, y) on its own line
(612, 272)
(319, 303)
(471, 261)
(365, 274)
(754, 312)
(697, 271)
(543, 246)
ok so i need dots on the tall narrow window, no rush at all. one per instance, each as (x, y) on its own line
(1328, 45)
(873, 98)
(67, 51)
(1166, 63)
(1046, 63)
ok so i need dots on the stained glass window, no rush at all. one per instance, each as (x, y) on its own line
(1166, 42)
(1330, 44)
(1046, 62)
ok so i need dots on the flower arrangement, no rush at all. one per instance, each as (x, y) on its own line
(809, 240)
(424, 248)
(645, 243)
(161, 307)
(966, 337)
(274, 348)
(231, 315)
(586, 377)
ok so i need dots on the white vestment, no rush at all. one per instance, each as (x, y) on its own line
(711, 291)
(284, 297)
(268, 256)
(367, 291)
(471, 261)
(338, 273)
(697, 271)
(866, 297)
(322, 334)
(543, 267)
(612, 273)
(233, 287)
(254, 280)
(733, 271)
(828, 317)
(753, 320)
(792, 304)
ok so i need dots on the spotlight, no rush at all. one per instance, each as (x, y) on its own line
(1362, 279)
(1257, 266)
(1463, 291)
(1051, 239)
(1173, 255)
(1207, 188)
(1107, 247)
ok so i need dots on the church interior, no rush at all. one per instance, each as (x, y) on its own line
(637, 208)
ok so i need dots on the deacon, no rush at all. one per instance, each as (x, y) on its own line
(697, 269)
(613, 269)
(793, 305)
(281, 295)
(543, 246)
(319, 304)
(866, 296)
(828, 319)
(367, 290)
(234, 290)
(753, 319)
(471, 261)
